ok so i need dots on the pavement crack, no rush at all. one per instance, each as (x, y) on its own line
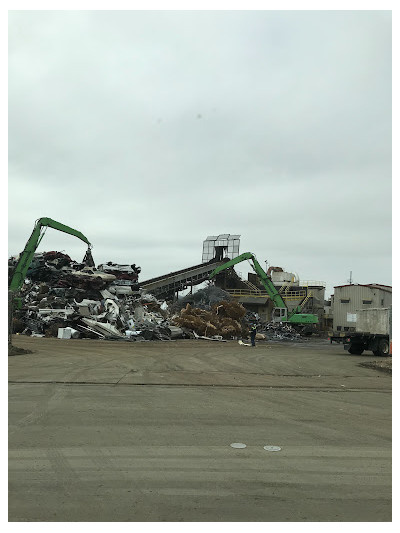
(126, 373)
(320, 388)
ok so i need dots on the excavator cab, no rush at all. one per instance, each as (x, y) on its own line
(279, 314)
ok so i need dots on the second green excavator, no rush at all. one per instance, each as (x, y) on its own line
(302, 321)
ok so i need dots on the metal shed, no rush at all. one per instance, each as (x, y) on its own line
(348, 299)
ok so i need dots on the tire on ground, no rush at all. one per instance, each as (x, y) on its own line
(383, 348)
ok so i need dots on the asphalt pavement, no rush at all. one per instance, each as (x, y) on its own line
(109, 431)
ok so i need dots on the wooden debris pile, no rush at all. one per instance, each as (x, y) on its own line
(223, 319)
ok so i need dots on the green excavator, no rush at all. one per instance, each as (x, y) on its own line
(25, 258)
(280, 313)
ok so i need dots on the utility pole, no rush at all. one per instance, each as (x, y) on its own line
(351, 278)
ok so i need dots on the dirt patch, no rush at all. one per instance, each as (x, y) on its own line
(385, 365)
(14, 350)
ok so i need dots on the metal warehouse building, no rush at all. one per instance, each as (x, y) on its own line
(348, 299)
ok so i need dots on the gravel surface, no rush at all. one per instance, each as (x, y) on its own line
(385, 365)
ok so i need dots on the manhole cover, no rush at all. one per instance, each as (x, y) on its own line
(272, 448)
(238, 445)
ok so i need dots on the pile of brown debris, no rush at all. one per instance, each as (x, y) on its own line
(223, 319)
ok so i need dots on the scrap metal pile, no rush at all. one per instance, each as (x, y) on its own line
(280, 332)
(202, 299)
(275, 331)
(66, 299)
(61, 297)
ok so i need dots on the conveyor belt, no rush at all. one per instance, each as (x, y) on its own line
(181, 279)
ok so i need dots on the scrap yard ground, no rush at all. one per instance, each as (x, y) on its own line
(124, 431)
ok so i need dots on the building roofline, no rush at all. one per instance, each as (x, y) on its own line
(386, 288)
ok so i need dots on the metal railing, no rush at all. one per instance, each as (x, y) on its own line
(293, 295)
(251, 286)
(312, 283)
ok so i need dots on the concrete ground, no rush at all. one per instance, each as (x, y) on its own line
(123, 432)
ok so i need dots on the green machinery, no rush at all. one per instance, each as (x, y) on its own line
(280, 312)
(26, 256)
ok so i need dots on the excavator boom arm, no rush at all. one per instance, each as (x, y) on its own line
(267, 283)
(62, 227)
(33, 242)
(231, 263)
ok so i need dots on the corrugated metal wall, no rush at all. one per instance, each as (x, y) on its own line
(356, 294)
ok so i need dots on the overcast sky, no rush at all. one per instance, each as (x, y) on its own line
(149, 131)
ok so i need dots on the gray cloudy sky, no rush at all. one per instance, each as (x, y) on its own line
(149, 131)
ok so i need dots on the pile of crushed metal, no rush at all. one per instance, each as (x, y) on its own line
(279, 332)
(272, 331)
(65, 299)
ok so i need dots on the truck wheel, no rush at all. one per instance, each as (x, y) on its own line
(383, 348)
(356, 349)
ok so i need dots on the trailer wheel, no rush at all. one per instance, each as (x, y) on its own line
(383, 348)
(356, 349)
